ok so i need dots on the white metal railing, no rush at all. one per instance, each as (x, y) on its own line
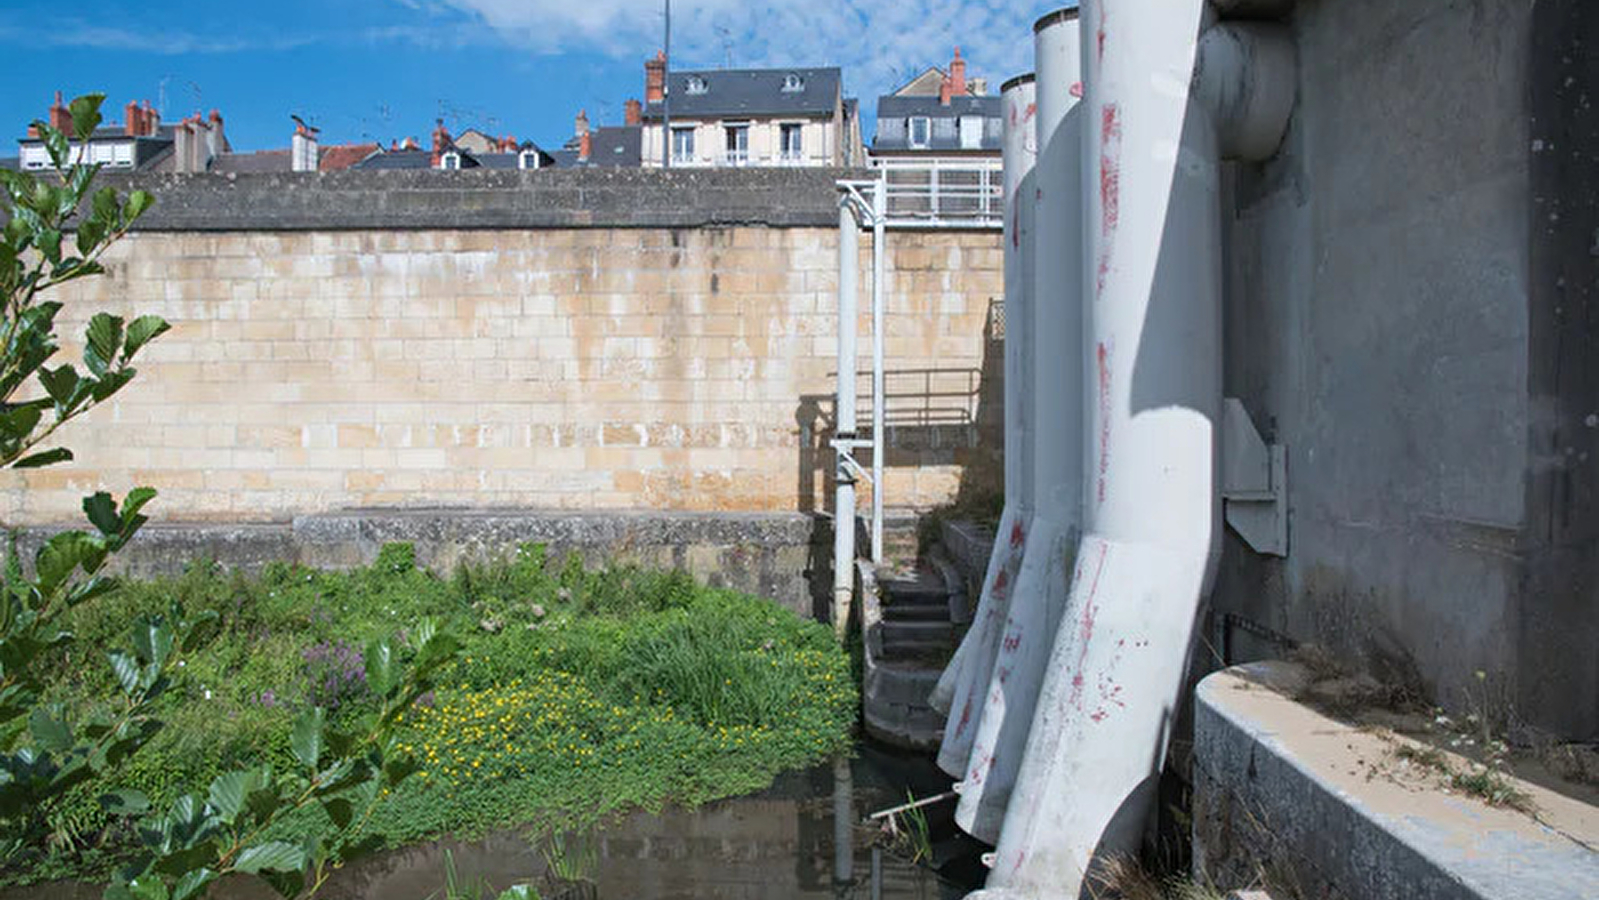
(943, 192)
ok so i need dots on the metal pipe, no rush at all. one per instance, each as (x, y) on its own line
(666, 93)
(879, 395)
(1152, 289)
(844, 427)
(962, 686)
(1054, 417)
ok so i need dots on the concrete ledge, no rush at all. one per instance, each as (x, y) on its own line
(1280, 787)
(474, 198)
(771, 555)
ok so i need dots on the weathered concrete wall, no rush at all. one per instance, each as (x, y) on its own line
(783, 556)
(1387, 320)
(385, 361)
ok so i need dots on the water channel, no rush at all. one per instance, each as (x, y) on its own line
(779, 843)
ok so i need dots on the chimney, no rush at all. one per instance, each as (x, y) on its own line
(957, 74)
(303, 153)
(131, 126)
(632, 113)
(945, 88)
(582, 124)
(60, 116)
(410, 143)
(441, 142)
(655, 78)
(216, 143)
(150, 118)
(182, 139)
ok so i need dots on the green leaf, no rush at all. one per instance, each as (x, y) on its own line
(125, 803)
(102, 512)
(109, 383)
(340, 811)
(148, 887)
(287, 884)
(90, 234)
(85, 112)
(18, 422)
(306, 739)
(138, 202)
(379, 667)
(63, 553)
(135, 501)
(229, 791)
(153, 639)
(193, 884)
(49, 733)
(520, 892)
(127, 671)
(102, 338)
(273, 856)
(59, 383)
(141, 331)
(46, 458)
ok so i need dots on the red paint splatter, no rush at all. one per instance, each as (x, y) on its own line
(1076, 90)
(1017, 534)
(1104, 419)
(1104, 16)
(1110, 154)
(1085, 629)
(1032, 110)
(966, 717)
(1001, 581)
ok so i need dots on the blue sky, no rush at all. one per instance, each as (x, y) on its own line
(385, 69)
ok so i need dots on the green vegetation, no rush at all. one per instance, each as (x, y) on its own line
(576, 693)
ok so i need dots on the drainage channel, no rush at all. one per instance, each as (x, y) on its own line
(779, 843)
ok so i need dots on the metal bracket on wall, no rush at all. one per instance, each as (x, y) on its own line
(1254, 482)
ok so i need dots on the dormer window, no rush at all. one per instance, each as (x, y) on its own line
(527, 159)
(450, 160)
(792, 82)
(919, 127)
(696, 85)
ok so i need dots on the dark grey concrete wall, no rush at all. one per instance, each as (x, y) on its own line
(1390, 318)
(476, 198)
(782, 556)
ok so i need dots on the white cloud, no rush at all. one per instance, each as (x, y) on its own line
(875, 41)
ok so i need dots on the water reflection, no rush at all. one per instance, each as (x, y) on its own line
(799, 839)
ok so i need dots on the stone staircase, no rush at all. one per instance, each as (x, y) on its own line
(914, 611)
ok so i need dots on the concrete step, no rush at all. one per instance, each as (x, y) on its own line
(903, 725)
(905, 683)
(915, 611)
(918, 633)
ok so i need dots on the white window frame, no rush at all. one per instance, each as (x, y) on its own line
(796, 152)
(685, 153)
(527, 159)
(792, 82)
(450, 161)
(695, 85)
(970, 131)
(736, 132)
(910, 132)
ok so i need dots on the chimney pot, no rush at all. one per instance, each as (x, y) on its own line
(632, 112)
(655, 78)
(582, 124)
(957, 74)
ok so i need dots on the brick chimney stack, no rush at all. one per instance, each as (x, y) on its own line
(149, 119)
(441, 142)
(957, 75)
(655, 78)
(944, 89)
(131, 126)
(585, 142)
(60, 116)
(632, 113)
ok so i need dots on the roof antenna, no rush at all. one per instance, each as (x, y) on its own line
(727, 46)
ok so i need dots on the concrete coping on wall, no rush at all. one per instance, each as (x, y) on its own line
(1278, 783)
(490, 199)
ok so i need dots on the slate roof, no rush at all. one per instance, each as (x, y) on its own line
(398, 159)
(258, 161)
(750, 92)
(609, 147)
(944, 132)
